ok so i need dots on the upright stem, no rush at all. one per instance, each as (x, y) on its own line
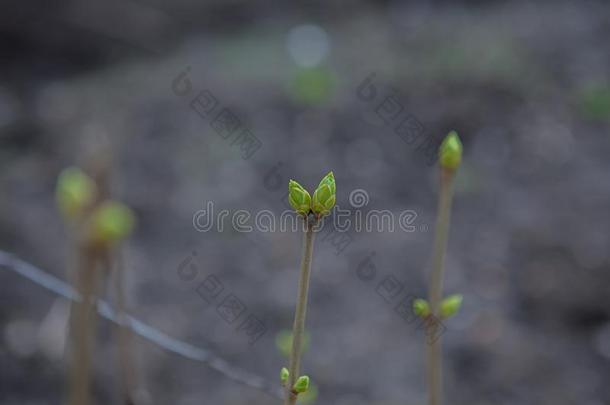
(82, 325)
(122, 331)
(433, 350)
(300, 312)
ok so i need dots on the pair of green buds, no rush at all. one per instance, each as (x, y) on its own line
(109, 222)
(448, 307)
(323, 200)
(300, 386)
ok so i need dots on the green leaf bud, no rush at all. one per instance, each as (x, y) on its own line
(284, 374)
(450, 151)
(450, 305)
(299, 198)
(330, 180)
(324, 197)
(310, 396)
(301, 385)
(112, 221)
(75, 191)
(421, 307)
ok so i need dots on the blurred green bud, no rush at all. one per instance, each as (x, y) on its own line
(284, 374)
(75, 191)
(299, 198)
(595, 103)
(301, 385)
(450, 305)
(313, 86)
(112, 221)
(310, 396)
(450, 151)
(421, 308)
(324, 197)
(283, 342)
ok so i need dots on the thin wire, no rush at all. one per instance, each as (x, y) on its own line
(147, 332)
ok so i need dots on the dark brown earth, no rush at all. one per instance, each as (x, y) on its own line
(525, 84)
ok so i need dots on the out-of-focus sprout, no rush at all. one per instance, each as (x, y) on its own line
(284, 374)
(595, 103)
(74, 193)
(450, 305)
(310, 396)
(111, 222)
(301, 385)
(421, 308)
(313, 86)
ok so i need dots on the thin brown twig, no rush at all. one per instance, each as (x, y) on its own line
(300, 313)
(113, 266)
(82, 326)
(434, 348)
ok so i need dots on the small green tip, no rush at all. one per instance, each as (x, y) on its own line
(284, 374)
(450, 305)
(298, 198)
(325, 196)
(301, 385)
(75, 191)
(328, 179)
(112, 221)
(310, 396)
(421, 308)
(450, 151)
